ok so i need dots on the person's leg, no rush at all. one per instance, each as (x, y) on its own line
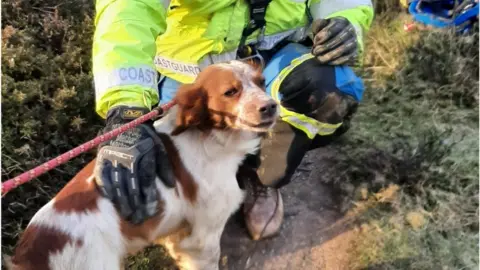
(324, 95)
(263, 206)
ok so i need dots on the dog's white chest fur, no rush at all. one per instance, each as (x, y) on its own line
(213, 161)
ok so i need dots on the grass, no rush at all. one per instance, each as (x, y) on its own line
(417, 131)
(151, 258)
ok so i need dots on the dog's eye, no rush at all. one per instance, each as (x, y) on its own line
(231, 92)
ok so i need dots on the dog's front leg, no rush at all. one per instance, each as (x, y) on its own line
(200, 251)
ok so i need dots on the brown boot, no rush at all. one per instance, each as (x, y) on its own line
(263, 210)
(263, 206)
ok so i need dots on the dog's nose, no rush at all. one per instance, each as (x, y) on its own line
(268, 110)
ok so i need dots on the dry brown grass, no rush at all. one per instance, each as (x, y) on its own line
(386, 5)
(418, 128)
(385, 43)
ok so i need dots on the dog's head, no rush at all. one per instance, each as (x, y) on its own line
(226, 96)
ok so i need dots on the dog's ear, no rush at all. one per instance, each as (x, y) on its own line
(192, 107)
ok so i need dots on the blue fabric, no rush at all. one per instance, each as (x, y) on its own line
(281, 60)
(349, 83)
(168, 89)
(437, 14)
(346, 80)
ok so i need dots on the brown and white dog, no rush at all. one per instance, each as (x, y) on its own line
(218, 120)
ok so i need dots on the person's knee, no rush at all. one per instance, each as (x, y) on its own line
(329, 95)
(326, 93)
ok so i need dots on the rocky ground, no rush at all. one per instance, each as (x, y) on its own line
(314, 234)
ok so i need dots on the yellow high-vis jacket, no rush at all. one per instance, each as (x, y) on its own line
(135, 39)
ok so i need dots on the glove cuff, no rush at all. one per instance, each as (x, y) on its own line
(125, 113)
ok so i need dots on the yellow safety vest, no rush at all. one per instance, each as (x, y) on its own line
(135, 39)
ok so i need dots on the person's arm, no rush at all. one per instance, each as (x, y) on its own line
(339, 28)
(124, 48)
(123, 52)
(359, 13)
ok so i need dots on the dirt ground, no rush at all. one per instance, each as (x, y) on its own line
(314, 234)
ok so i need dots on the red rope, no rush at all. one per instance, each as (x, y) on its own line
(55, 162)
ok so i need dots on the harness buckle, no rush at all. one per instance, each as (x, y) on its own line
(249, 52)
(258, 9)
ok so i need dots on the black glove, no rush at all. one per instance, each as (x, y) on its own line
(127, 166)
(335, 41)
